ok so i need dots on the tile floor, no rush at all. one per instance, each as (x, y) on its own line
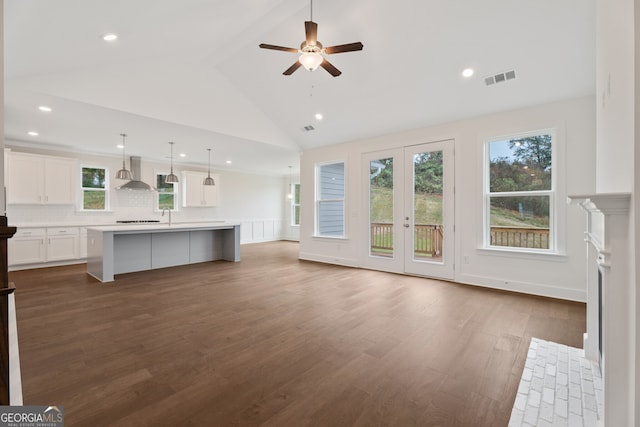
(559, 387)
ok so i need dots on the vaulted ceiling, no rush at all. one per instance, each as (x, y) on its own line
(190, 71)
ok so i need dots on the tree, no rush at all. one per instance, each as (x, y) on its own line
(93, 177)
(528, 168)
(533, 151)
(428, 172)
(382, 173)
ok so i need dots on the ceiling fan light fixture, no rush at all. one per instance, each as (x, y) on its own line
(311, 60)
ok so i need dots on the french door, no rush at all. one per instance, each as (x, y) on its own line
(409, 200)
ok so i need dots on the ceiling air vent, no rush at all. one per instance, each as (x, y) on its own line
(308, 128)
(500, 77)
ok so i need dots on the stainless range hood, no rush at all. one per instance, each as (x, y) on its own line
(135, 183)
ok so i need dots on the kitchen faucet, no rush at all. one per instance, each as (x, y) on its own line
(168, 210)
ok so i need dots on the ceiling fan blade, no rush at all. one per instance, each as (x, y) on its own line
(330, 68)
(291, 69)
(349, 47)
(274, 47)
(311, 30)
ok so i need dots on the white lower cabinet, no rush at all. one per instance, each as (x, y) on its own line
(63, 243)
(27, 246)
(41, 245)
(83, 242)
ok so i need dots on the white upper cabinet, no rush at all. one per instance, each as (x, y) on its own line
(195, 194)
(33, 179)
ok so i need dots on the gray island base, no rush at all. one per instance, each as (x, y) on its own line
(122, 249)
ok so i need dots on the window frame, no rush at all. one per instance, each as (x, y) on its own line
(295, 204)
(106, 190)
(553, 193)
(176, 191)
(318, 201)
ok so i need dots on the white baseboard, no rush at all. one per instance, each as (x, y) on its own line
(347, 262)
(523, 287)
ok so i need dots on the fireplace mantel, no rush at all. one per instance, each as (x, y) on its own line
(608, 244)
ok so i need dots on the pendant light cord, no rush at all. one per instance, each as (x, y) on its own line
(171, 143)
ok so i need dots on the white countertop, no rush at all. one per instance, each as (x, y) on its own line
(107, 224)
(155, 227)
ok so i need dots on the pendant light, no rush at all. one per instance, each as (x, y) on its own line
(290, 194)
(124, 173)
(208, 180)
(171, 178)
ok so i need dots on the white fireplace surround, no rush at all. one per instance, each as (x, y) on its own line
(608, 245)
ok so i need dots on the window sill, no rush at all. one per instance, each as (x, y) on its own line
(315, 236)
(523, 254)
(94, 211)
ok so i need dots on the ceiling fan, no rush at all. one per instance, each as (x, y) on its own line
(312, 52)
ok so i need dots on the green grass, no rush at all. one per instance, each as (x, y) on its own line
(428, 210)
(428, 207)
(165, 201)
(94, 200)
(508, 218)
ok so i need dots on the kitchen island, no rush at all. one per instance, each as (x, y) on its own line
(118, 249)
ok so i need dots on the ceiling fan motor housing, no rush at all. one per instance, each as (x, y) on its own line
(313, 48)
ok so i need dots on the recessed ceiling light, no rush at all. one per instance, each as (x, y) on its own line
(228, 162)
(110, 37)
(318, 116)
(467, 72)
(120, 146)
(183, 155)
(33, 133)
(45, 109)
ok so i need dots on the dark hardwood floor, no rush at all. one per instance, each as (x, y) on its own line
(273, 341)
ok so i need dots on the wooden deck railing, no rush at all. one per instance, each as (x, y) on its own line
(520, 237)
(428, 238)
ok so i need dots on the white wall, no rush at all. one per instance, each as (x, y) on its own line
(252, 200)
(634, 252)
(618, 118)
(557, 276)
(615, 95)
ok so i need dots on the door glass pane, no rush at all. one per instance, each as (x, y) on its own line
(381, 207)
(428, 206)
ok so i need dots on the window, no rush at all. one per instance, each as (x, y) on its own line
(330, 200)
(520, 192)
(295, 204)
(167, 193)
(95, 193)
